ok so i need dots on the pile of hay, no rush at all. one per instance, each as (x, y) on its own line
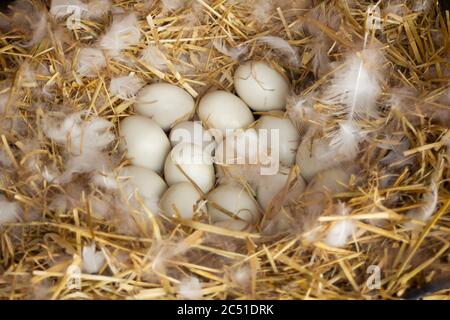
(55, 240)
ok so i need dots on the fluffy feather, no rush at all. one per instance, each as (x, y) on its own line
(27, 16)
(5, 160)
(190, 288)
(101, 208)
(172, 5)
(318, 50)
(195, 15)
(402, 98)
(242, 276)
(121, 34)
(9, 211)
(98, 8)
(301, 111)
(345, 140)
(92, 10)
(428, 206)
(64, 8)
(422, 5)
(262, 10)
(357, 85)
(397, 7)
(125, 87)
(86, 162)
(93, 260)
(90, 62)
(283, 47)
(233, 52)
(105, 179)
(39, 30)
(395, 157)
(28, 75)
(79, 135)
(325, 14)
(341, 231)
(151, 55)
(84, 141)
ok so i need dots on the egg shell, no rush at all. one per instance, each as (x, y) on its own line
(288, 136)
(313, 156)
(165, 103)
(222, 110)
(192, 132)
(240, 147)
(194, 162)
(184, 196)
(261, 86)
(147, 182)
(270, 186)
(234, 199)
(145, 142)
(333, 180)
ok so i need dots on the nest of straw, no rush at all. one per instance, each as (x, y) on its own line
(40, 250)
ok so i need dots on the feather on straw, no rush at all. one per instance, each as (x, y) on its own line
(125, 87)
(234, 53)
(9, 211)
(357, 85)
(283, 47)
(190, 288)
(339, 234)
(90, 62)
(121, 34)
(92, 260)
(428, 206)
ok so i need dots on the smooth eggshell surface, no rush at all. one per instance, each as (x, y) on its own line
(148, 183)
(145, 142)
(288, 137)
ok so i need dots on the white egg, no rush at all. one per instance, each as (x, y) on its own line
(183, 196)
(192, 132)
(313, 156)
(288, 137)
(235, 225)
(270, 186)
(145, 181)
(146, 143)
(325, 184)
(240, 147)
(333, 180)
(261, 86)
(222, 110)
(194, 162)
(165, 103)
(235, 200)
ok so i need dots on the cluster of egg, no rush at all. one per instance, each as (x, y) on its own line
(154, 146)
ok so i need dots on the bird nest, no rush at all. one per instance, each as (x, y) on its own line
(60, 236)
